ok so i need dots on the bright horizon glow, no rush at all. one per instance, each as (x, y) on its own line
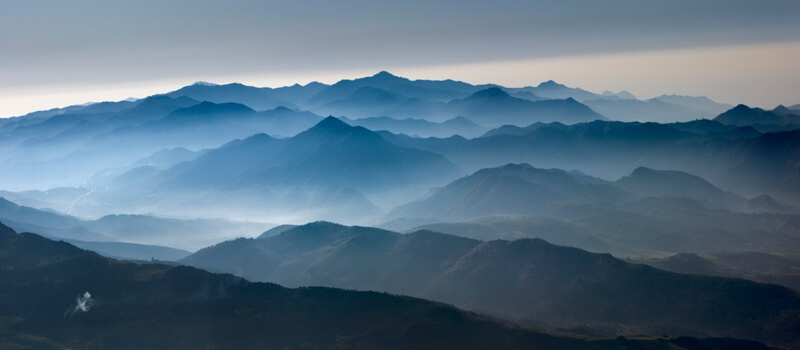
(748, 74)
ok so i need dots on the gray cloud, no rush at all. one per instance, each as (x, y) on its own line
(54, 40)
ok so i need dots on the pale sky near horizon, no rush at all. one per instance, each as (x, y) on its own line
(56, 53)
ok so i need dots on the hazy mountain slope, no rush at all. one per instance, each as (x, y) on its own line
(703, 104)
(132, 251)
(714, 129)
(327, 171)
(420, 127)
(525, 280)
(749, 166)
(743, 115)
(495, 107)
(393, 97)
(768, 164)
(62, 134)
(644, 111)
(149, 109)
(200, 126)
(648, 182)
(647, 213)
(623, 95)
(365, 102)
(513, 189)
(553, 230)
(759, 267)
(600, 148)
(330, 153)
(755, 266)
(552, 90)
(253, 97)
(648, 227)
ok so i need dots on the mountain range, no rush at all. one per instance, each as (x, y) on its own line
(331, 162)
(647, 213)
(556, 216)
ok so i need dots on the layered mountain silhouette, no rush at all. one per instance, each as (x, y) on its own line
(513, 189)
(623, 95)
(650, 110)
(331, 167)
(751, 166)
(494, 107)
(471, 174)
(648, 182)
(698, 103)
(761, 267)
(643, 213)
(196, 127)
(77, 141)
(431, 90)
(491, 107)
(528, 279)
(552, 90)
(419, 127)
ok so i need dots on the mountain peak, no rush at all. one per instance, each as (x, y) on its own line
(781, 109)
(331, 123)
(551, 84)
(204, 83)
(384, 75)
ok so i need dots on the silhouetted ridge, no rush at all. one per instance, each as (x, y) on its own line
(492, 92)
(520, 279)
(210, 108)
(384, 75)
(742, 115)
(257, 139)
(154, 306)
(330, 124)
(550, 84)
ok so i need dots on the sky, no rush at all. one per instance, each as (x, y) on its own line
(56, 53)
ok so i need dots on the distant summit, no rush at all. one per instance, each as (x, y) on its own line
(551, 85)
(204, 83)
(492, 92)
(624, 95)
(553, 90)
(330, 125)
(743, 115)
(386, 75)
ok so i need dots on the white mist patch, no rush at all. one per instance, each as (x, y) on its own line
(83, 303)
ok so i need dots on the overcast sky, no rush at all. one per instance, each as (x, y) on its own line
(55, 53)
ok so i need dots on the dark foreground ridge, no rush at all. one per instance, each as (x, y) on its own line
(526, 280)
(56, 296)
